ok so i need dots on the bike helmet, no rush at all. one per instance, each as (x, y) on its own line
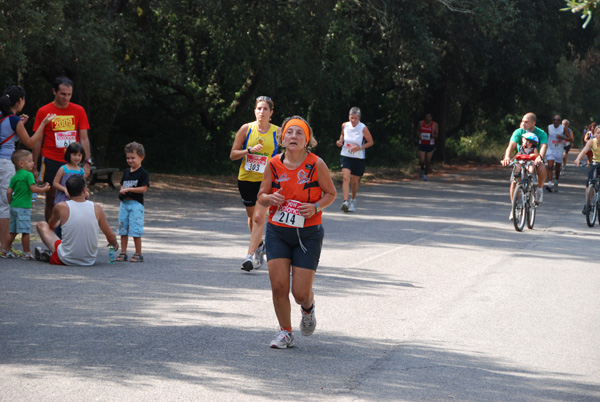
(532, 137)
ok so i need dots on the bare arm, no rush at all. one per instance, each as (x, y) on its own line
(9, 195)
(509, 150)
(37, 189)
(540, 158)
(84, 139)
(264, 194)
(56, 183)
(236, 149)
(54, 220)
(435, 130)
(367, 135)
(327, 187)
(340, 142)
(587, 147)
(139, 190)
(105, 227)
(31, 142)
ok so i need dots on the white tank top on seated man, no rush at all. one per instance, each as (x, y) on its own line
(79, 235)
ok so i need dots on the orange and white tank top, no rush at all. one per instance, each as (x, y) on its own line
(297, 186)
(253, 166)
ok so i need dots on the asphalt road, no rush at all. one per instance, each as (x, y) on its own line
(425, 293)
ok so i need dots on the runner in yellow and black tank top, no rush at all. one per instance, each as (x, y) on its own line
(255, 144)
(253, 165)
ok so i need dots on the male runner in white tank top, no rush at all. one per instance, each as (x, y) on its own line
(80, 220)
(557, 134)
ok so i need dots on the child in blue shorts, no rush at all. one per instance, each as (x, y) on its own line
(19, 192)
(134, 183)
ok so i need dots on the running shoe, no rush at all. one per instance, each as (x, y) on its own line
(247, 264)
(555, 186)
(352, 206)
(585, 210)
(308, 322)
(8, 254)
(42, 254)
(259, 256)
(283, 340)
(27, 256)
(510, 216)
(539, 197)
(345, 206)
(421, 173)
(424, 177)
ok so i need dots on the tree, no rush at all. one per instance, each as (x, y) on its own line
(587, 8)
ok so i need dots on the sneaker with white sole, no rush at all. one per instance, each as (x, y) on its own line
(42, 254)
(510, 216)
(283, 340)
(555, 186)
(308, 322)
(352, 206)
(259, 256)
(345, 206)
(539, 196)
(425, 176)
(247, 265)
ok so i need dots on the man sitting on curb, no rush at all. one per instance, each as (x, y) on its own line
(80, 220)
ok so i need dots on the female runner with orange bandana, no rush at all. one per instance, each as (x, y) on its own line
(255, 143)
(296, 186)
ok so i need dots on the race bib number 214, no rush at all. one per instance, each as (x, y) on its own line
(288, 214)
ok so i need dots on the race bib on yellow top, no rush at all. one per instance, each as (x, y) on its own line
(425, 136)
(288, 214)
(64, 138)
(256, 163)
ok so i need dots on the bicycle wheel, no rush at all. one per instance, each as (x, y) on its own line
(519, 208)
(590, 203)
(531, 207)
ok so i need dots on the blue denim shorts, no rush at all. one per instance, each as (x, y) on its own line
(20, 220)
(300, 245)
(131, 219)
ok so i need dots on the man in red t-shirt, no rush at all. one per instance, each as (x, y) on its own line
(70, 125)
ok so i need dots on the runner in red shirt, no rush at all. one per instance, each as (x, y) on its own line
(70, 125)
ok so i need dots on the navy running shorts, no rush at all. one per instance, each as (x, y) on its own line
(300, 245)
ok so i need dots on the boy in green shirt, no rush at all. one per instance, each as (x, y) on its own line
(21, 186)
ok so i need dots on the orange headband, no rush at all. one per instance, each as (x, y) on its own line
(299, 123)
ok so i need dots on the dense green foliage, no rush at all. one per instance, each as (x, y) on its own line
(181, 76)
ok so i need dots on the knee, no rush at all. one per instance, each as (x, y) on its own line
(302, 296)
(279, 289)
(259, 219)
(41, 225)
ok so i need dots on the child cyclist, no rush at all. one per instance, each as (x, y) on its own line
(593, 145)
(19, 192)
(528, 148)
(134, 183)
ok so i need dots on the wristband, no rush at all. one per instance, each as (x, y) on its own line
(249, 152)
(317, 208)
(89, 162)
